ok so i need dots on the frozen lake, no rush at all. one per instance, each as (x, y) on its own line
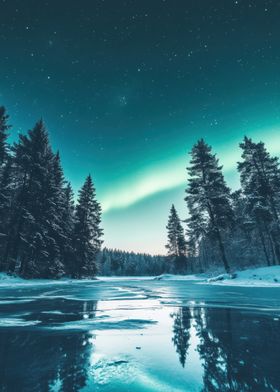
(138, 335)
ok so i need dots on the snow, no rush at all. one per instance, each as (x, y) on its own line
(253, 277)
(7, 279)
(124, 278)
(13, 280)
(178, 277)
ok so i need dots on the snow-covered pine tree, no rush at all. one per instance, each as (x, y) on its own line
(175, 233)
(87, 232)
(63, 228)
(260, 181)
(68, 219)
(176, 245)
(4, 127)
(208, 199)
(31, 247)
(6, 195)
(5, 181)
(246, 244)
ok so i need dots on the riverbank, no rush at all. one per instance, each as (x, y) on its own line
(252, 277)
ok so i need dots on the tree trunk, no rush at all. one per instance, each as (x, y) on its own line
(263, 245)
(222, 250)
(219, 238)
(276, 247)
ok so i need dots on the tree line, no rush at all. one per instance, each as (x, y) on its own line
(237, 229)
(114, 262)
(43, 232)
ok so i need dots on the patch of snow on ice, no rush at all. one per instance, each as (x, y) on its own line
(178, 277)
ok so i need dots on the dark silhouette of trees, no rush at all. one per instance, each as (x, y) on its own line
(42, 233)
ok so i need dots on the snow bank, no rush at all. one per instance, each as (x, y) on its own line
(258, 277)
(178, 277)
(6, 279)
(9, 280)
(253, 277)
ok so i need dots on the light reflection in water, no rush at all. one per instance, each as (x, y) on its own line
(118, 345)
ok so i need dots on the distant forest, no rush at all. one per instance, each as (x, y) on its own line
(45, 234)
(119, 263)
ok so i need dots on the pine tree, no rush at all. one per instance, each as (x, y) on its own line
(87, 232)
(176, 241)
(6, 196)
(260, 181)
(208, 199)
(64, 205)
(4, 127)
(68, 222)
(248, 243)
(31, 245)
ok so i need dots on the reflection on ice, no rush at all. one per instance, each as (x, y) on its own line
(126, 339)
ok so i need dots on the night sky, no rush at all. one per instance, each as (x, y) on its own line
(126, 88)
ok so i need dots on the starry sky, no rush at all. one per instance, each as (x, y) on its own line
(127, 86)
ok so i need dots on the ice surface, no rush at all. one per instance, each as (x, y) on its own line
(139, 334)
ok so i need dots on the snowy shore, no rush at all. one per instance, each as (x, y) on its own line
(253, 277)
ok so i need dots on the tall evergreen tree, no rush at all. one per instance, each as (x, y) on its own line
(68, 222)
(6, 197)
(248, 245)
(31, 245)
(176, 240)
(62, 194)
(4, 127)
(208, 199)
(260, 181)
(87, 232)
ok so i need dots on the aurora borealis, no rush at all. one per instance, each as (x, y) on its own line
(126, 87)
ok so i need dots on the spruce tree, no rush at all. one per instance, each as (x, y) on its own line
(63, 226)
(176, 241)
(260, 181)
(208, 199)
(247, 244)
(68, 222)
(6, 197)
(87, 232)
(31, 247)
(4, 127)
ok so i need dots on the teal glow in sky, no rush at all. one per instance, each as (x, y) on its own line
(127, 87)
(137, 206)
